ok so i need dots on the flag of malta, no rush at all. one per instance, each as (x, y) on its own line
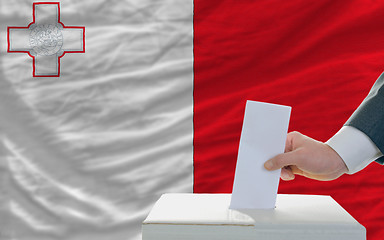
(106, 105)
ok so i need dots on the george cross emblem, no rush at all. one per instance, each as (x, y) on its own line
(46, 40)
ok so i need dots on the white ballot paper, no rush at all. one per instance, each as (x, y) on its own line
(263, 136)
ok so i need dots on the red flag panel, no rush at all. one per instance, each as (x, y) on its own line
(319, 57)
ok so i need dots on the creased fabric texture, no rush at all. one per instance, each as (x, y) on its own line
(320, 57)
(85, 155)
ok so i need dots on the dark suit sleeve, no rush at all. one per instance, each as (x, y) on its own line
(369, 116)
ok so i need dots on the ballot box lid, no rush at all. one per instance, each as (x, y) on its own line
(291, 212)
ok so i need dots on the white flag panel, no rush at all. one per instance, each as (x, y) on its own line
(86, 154)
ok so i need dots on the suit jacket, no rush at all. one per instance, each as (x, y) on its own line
(369, 116)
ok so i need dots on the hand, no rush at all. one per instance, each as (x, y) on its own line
(307, 157)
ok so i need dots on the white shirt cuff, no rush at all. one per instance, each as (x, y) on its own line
(354, 147)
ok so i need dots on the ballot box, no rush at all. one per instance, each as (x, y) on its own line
(208, 217)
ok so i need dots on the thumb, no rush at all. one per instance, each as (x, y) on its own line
(282, 160)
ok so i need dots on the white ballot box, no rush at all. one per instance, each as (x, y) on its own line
(208, 217)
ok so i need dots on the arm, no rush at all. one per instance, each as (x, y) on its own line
(369, 116)
(356, 145)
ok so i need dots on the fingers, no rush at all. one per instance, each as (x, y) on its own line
(287, 174)
(282, 160)
(292, 138)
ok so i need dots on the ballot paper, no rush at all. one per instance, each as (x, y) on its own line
(263, 136)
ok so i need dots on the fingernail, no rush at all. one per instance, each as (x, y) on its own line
(268, 165)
